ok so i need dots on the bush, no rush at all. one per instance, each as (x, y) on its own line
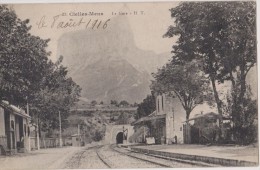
(97, 136)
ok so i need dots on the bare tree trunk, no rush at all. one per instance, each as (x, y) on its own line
(242, 93)
(219, 107)
(238, 94)
(187, 115)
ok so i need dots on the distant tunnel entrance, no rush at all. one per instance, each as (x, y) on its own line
(119, 138)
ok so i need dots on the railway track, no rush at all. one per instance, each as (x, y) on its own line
(112, 164)
(139, 158)
(76, 161)
(102, 158)
(153, 161)
(111, 156)
(164, 161)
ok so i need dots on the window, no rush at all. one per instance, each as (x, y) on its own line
(158, 105)
(162, 103)
(24, 129)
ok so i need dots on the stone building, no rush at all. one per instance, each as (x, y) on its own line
(14, 129)
(163, 124)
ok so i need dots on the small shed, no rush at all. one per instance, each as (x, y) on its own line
(205, 128)
(76, 140)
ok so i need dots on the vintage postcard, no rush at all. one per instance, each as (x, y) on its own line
(128, 85)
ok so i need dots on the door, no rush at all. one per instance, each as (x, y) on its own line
(7, 128)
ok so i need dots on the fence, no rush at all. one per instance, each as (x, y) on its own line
(49, 142)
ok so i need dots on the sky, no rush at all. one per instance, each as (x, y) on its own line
(148, 28)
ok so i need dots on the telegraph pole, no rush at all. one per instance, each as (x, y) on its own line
(60, 129)
(29, 140)
(79, 135)
(78, 130)
(38, 133)
(144, 133)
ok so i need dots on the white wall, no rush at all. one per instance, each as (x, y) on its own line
(2, 122)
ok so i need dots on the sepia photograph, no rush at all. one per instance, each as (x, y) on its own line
(128, 85)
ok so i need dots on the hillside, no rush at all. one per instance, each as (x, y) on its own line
(107, 64)
(93, 123)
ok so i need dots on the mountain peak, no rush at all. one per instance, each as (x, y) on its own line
(107, 64)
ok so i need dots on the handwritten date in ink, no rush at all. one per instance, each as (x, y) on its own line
(61, 23)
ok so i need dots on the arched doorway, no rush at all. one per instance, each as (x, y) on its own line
(119, 138)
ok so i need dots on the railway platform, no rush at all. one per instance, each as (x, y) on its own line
(218, 155)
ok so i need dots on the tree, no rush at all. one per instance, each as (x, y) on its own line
(124, 103)
(239, 58)
(223, 35)
(113, 102)
(23, 58)
(187, 82)
(93, 102)
(27, 75)
(146, 107)
(135, 104)
(244, 125)
(123, 118)
(97, 136)
(58, 93)
(247, 131)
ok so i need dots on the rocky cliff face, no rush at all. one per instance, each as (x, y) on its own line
(107, 64)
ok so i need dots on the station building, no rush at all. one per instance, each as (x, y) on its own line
(14, 129)
(168, 124)
(164, 125)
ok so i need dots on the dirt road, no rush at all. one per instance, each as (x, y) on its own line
(54, 158)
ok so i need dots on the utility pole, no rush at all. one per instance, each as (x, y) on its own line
(123, 135)
(79, 135)
(38, 133)
(60, 129)
(27, 106)
(144, 133)
(29, 140)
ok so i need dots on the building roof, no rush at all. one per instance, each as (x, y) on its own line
(209, 115)
(150, 117)
(14, 109)
(74, 135)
